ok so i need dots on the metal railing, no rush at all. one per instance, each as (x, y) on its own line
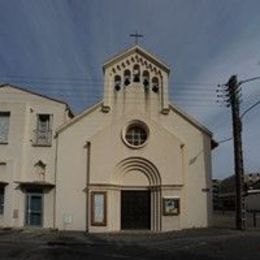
(42, 138)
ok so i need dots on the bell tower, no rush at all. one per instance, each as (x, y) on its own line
(139, 72)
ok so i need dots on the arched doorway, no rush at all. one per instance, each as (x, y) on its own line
(140, 188)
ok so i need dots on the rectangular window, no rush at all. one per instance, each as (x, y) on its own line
(2, 199)
(43, 122)
(98, 208)
(4, 127)
(43, 132)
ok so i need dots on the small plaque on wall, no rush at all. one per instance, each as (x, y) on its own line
(171, 206)
(98, 208)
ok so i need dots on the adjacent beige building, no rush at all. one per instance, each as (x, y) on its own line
(27, 156)
(131, 161)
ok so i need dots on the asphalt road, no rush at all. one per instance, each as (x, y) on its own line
(190, 244)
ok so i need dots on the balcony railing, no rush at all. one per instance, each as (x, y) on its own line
(42, 138)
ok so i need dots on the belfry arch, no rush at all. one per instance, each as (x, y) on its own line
(139, 174)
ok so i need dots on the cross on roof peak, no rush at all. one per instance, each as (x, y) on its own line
(137, 36)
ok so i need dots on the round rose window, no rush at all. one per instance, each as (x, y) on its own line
(136, 134)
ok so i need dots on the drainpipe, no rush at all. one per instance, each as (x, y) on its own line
(160, 206)
(55, 182)
(88, 146)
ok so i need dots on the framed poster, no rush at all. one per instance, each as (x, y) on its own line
(171, 206)
(98, 208)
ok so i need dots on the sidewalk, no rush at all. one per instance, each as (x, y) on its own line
(52, 237)
(199, 244)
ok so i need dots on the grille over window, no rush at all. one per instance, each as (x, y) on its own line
(136, 134)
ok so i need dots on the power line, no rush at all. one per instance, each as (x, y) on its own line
(242, 115)
(250, 108)
(67, 80)
(225, 140)
(92, 94)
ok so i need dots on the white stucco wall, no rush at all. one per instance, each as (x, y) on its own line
(179, 150)
(20, 155)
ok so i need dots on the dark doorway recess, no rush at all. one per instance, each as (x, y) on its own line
(135, 210)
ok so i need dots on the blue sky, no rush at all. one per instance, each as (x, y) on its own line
(57, 47)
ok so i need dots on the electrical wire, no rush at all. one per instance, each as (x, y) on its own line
(250, 108)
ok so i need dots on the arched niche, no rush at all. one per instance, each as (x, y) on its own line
(40, 170)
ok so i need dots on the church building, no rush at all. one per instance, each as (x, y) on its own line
(133, 160)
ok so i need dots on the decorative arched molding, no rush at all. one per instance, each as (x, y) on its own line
(137, 164)
(149, 170)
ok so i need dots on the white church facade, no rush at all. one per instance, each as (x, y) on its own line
(131, 161)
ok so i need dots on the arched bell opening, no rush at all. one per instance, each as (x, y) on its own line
(146, 79)
(127, 77)
(136, 73)
(155, 84)
(117, 82)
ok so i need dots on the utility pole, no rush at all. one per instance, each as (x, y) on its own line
(233, 89)
(232, 97)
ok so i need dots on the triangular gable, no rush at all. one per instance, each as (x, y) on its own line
(194, 122)
(7, 85)
(136, 49)
(190, 119)
(79, 117)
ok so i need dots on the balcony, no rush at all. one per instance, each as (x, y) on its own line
(42, 138)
